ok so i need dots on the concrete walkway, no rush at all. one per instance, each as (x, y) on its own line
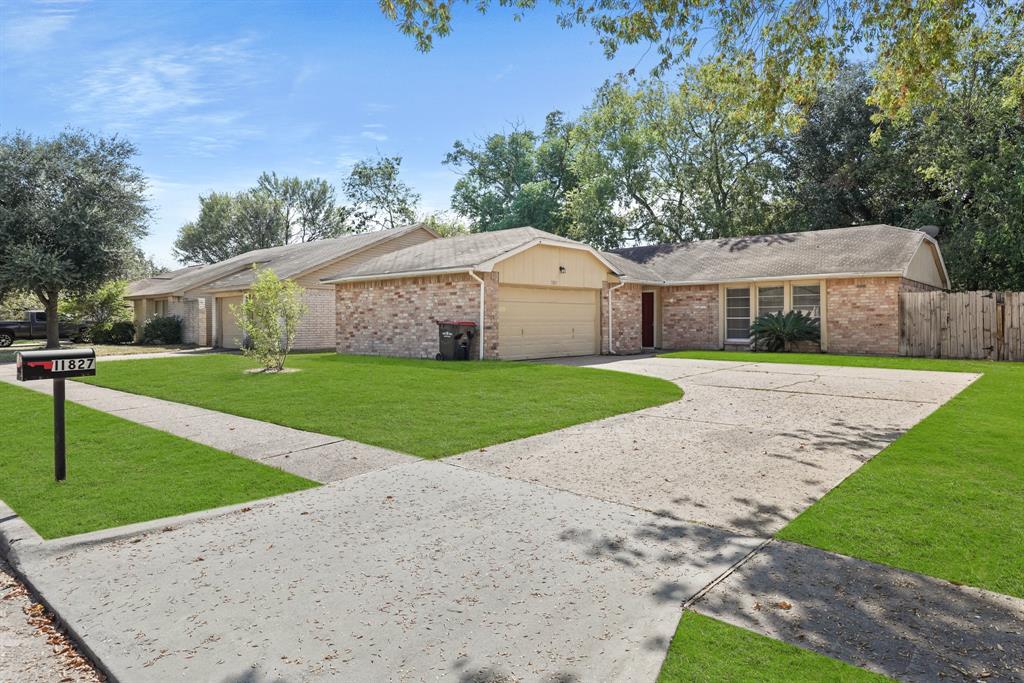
(904, 625)
(563, 557)
(314, 456)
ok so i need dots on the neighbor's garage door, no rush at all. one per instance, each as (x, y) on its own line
(230, 330)
(538, 322)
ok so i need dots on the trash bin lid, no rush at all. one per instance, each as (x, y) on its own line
(466, 323)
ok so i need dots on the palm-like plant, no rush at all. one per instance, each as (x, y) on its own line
(778, 331)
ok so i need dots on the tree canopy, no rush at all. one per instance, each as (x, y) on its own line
(281, 210)
(775, 51)
(650, 161)
(72, 208)
(380, 199)
(515, 179)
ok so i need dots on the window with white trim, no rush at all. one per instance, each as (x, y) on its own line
(737, 314)
(807, 299)
(771, 299)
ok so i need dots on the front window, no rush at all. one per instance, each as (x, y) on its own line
(737, 314)
(807, 300)
(771, 300)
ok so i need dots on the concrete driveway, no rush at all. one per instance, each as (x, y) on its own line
(749, 447)
(561, 557)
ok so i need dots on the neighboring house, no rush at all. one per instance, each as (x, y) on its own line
(539, 295)
(206, 296)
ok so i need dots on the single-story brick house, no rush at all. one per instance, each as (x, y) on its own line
(203, 296)
(538, 295)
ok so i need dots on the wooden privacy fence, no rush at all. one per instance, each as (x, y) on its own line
(962, 325)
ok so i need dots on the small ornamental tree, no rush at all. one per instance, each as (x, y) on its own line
(269, 317)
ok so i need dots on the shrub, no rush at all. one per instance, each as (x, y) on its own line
(164, 329)
(101, 306)
(121, 332)
(269, 317)
(778, 331)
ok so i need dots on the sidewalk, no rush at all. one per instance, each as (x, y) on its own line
(317, 457)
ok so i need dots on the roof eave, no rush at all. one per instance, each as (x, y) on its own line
(782, 278)
(399, 275)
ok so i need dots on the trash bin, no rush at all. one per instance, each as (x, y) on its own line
(454, 339)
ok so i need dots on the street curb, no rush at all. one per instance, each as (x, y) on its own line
(14, 530)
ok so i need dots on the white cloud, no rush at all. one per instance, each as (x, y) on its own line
(181, 91)
(373, 135)
(143, 80)
(37, 28)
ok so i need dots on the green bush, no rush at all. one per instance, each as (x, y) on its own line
(779, 331)
(164, 329)
(121, 332)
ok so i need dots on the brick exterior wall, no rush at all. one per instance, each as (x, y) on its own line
(690, 317)
(863, 315)
(317, 327)
(399, 317)
(626, 319)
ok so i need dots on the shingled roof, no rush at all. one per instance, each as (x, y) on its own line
(474, 251)
(861, 250)
(286, 261)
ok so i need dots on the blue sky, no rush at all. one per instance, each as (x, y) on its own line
(213, 93)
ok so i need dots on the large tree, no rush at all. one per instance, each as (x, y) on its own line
(780, 50)
(514, 179)
(671, 163)
(277, 211)
(380, 199)
(229, 225)
(71, 210)
(840, 169)
(969, 149)
(309, 209)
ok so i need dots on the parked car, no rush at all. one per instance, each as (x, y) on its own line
(34, 327)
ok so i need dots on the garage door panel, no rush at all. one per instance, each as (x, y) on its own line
(545, 322)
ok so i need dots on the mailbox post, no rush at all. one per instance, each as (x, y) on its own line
(56, 365)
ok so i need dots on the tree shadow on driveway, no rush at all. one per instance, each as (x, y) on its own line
(902, 624)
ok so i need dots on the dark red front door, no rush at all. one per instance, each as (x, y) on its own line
(647, 319)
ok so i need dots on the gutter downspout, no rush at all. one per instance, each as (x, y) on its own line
(611, 347)
(474, 276)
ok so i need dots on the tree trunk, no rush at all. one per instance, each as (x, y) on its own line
(52, 321)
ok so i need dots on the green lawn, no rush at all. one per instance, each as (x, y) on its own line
(423, 407)
(946, 498)
(9, 354)
(705, 650)
(118, 472)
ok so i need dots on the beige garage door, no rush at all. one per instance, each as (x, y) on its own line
(538, 322)
(230, 335)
